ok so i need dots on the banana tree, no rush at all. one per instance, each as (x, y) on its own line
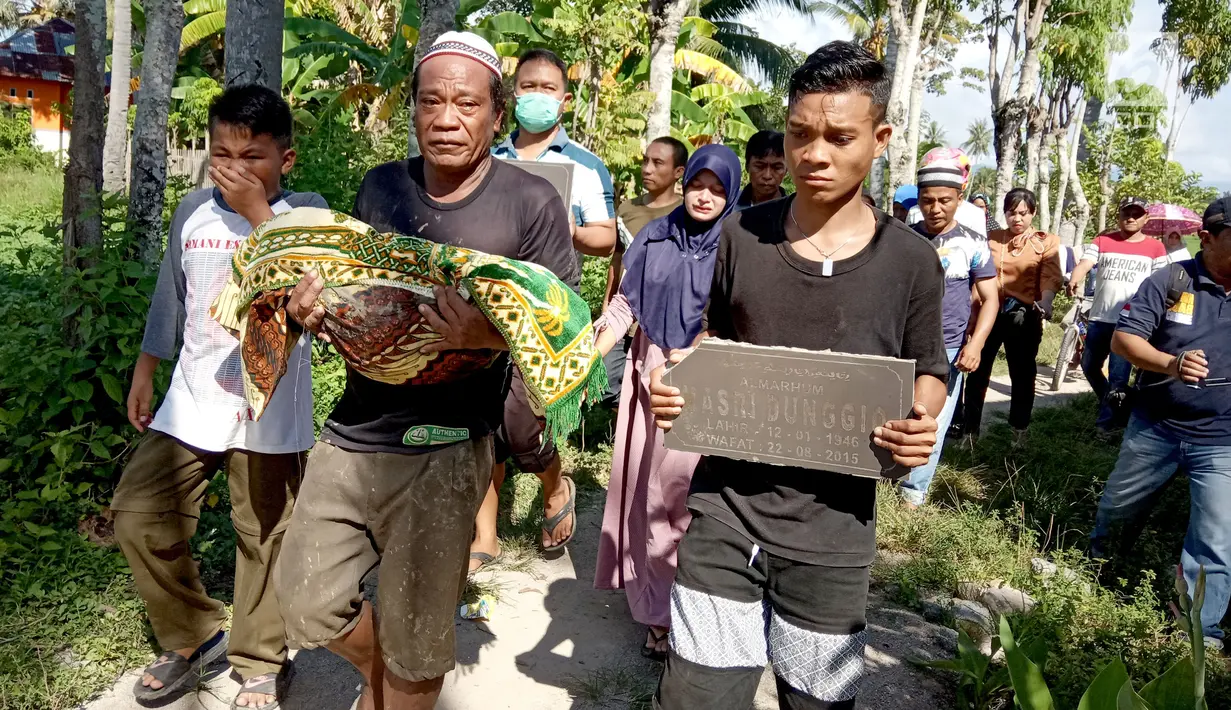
(713, 113)
(384, 70)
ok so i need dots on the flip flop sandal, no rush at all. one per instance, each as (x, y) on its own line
(653, 653)
(178, 674)
(485, 559)
(274, 684)
(570, 508)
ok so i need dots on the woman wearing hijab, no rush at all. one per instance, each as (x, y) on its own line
(983, 202)
(670, 266)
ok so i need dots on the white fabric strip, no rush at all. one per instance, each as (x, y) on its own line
(715, 632)
(828, 667)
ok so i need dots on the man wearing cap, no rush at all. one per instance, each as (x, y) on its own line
(1177, 329)
(1125, 259)
(369, 497)
(904, 200)
(953, 161)
(969, 270)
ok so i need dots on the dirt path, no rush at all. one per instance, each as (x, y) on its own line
(555, 642)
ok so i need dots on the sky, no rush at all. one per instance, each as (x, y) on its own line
(960, 106)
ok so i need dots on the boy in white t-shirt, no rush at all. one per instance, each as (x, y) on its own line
(204, 423)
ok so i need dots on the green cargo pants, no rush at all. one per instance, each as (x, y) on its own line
(157, 506)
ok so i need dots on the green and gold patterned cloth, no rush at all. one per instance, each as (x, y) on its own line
(373, 285)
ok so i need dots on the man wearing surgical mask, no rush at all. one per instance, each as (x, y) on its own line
(540, 92)
(540, 89)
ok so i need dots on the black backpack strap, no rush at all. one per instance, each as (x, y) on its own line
(1178, 281)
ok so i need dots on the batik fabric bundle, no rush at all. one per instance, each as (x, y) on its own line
(374, 284)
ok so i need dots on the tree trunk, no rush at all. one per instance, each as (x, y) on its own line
(115, 148)
(83, 178)
(877, 185)
(1094, 109)
(908, 33)
(1104, 185)
(438, 17)
(665, 19)
(1035, 129)
(1047, 148)
(881, 191)
(1079, 193)
(164, 19)
(1063, 163)
(1012, 113)
(254, 43)
(594, 86)
(912, 127)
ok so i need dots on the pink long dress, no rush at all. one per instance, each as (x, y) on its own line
(645, 516)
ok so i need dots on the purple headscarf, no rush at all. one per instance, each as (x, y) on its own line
(671, 262)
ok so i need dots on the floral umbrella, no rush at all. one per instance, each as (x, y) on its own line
(1164, 219)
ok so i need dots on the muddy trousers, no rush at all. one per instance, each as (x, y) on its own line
(157, 507)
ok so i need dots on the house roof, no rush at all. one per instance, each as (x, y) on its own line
(40, 52)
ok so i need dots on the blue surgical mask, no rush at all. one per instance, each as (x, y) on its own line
(537, 112)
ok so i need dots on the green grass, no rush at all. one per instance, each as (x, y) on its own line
(625, 688)
(994, 507)
(21, 191)
(69, 625)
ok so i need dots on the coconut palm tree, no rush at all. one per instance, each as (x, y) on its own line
(743, 48)
(978, 139)
(933, 134)
(868, 21)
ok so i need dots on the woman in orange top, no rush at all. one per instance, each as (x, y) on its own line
(1028, 272)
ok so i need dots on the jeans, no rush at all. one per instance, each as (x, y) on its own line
(915, 487)
(1098, 350)
(1149, 459)
(1020, 334)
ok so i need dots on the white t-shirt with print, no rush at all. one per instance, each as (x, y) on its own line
(205, 406)
(1122, 267)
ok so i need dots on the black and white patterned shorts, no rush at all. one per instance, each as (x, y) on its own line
(735, 608)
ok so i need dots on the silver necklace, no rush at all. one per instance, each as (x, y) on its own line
(826, 259)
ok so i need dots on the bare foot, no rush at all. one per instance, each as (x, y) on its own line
(150, 681)
(553, 503)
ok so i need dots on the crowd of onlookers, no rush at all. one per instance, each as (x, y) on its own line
(730, 564)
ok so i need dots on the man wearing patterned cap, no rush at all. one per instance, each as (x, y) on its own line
(953, 162)
(968, 267)
(373, 494)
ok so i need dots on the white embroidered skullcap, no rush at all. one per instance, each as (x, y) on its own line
(466, 44)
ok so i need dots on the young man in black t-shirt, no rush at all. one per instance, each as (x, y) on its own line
(774, 566)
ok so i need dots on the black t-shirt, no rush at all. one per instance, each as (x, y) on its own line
(885, 300)
(512, 214)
